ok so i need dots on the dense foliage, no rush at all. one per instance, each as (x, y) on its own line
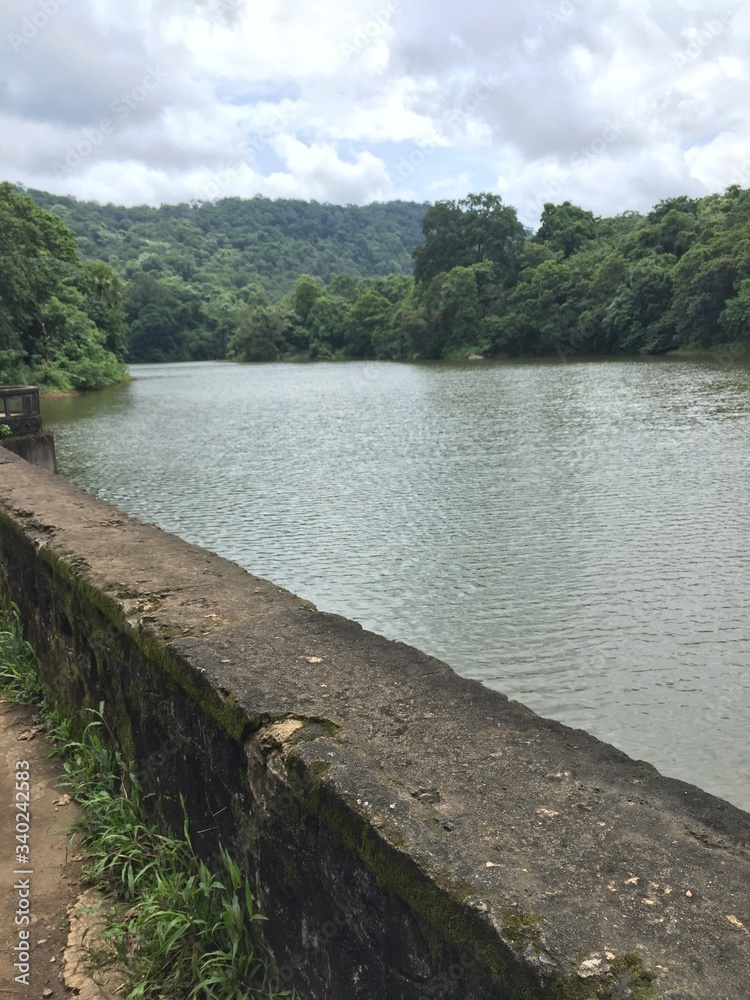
(192, 269)
(61, 322)
(676, 277)
(260, 280)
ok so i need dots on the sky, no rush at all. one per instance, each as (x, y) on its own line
(611, 104)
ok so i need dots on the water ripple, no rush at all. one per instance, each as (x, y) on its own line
(574, 535)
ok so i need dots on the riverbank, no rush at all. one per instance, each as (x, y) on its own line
(46, 393)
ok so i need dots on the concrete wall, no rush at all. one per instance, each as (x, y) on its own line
(38, 449)
(409, 834)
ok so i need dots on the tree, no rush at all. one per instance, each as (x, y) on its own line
(106, 290)
(638, 317)
(306, 293)
(704, 280)
(466, 297)
(54, 328)
(327, 324)
(673, 233)
(366, 324)
(566, 228)
(259, 335)
(734, 321)
(475, 229)
(157, 335)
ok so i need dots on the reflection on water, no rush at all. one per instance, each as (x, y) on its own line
(574, 535)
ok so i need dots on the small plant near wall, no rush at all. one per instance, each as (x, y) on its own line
(5, 431)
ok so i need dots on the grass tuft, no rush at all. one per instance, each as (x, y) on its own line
(20, 676)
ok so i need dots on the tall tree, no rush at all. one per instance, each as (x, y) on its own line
(566, 228)
(55, 327)
(466, 232)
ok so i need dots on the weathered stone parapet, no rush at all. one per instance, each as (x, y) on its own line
(410, 834)
(38, 449)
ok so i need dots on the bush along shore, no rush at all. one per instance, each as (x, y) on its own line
(180, 931)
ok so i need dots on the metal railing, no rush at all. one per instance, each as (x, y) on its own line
(19, 409)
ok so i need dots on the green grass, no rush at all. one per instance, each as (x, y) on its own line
(19, 668)
(180, 930)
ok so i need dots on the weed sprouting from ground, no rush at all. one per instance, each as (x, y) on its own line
(19, 668)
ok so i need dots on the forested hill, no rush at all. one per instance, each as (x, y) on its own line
(264, 280)
(235, 242)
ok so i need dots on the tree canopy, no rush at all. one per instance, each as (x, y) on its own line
(256, 280)
(61, 322)
(461, 233)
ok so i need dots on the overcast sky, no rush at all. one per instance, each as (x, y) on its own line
(612, 104)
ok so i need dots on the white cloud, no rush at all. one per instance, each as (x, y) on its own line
(318, 170)
(724, 161)
(613, 104)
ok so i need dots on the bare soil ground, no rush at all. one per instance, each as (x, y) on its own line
(46, 889)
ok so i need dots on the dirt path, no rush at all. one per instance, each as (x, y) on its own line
(37, 893)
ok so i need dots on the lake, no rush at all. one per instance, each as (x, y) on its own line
(573, 534)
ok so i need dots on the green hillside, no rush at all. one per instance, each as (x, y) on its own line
(236, 242)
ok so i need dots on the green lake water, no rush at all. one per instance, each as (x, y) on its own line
(574, 534)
